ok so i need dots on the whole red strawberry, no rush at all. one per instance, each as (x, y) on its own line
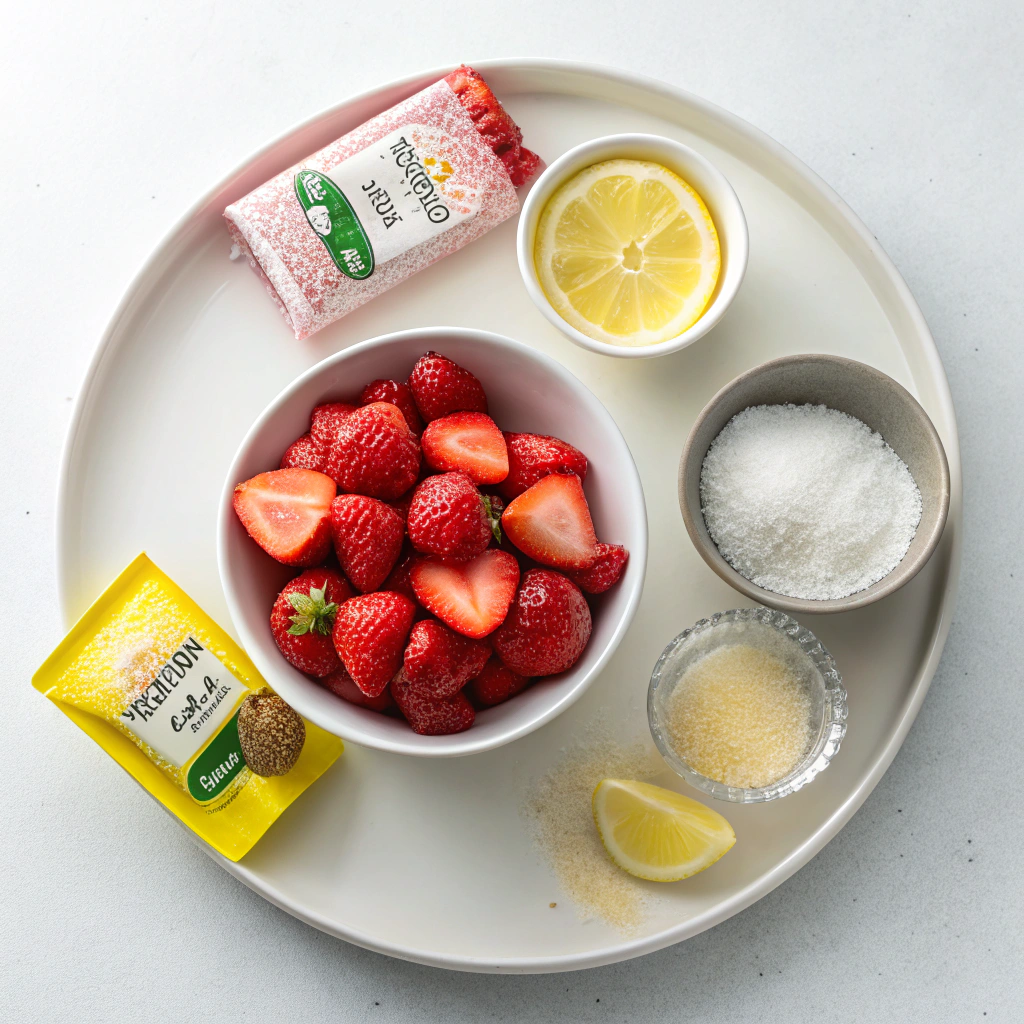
(441, 387)
(547, 626)
(367, 539)
(495, 684)
(398, 395)
(428, 716)
(531, 456)
(439, 661)
(370, 631)
(606, 571)
(302, 620)
(327, 420)
(375, 453)
(448, 517)
(339, 682)
(304, 453)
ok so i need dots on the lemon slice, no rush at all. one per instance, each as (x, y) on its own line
(657, 834)
(627, 253)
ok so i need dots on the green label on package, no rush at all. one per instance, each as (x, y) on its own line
(215, 768)
(331, 216)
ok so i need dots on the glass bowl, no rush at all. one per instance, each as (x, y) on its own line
(801, 651)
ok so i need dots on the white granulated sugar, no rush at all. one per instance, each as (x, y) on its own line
(807, 502)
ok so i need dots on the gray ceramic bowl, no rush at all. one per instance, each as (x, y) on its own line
(850, 387)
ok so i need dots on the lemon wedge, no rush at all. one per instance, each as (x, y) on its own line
(657, 834)
(627, 253)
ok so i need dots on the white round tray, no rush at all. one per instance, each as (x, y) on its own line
(430, 861)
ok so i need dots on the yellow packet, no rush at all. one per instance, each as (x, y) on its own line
(158, 684)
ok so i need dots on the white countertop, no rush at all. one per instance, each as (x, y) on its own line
(119, 116)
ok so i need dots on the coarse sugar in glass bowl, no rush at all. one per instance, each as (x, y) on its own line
(747, 705)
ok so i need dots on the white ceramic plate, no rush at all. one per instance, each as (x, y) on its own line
(428, 860)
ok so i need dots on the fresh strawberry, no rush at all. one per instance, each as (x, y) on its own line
(375, 453)
(370, 631)
(327, 421)
(466, 441)
(304, 453)
(450, 518)
(302, 620)
(287, 512)
(495, 684)
(398, 395)
(473, 598)
(340, 684)
(547, 627)
(606, 571)
(532, 456)
(439, 661)
(399, 581)
(367, 539)
(428, 716)
(441, 387)
(550, 522)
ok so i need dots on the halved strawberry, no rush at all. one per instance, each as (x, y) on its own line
(550, 522)
(287, 512)
(532, 456)
(375, 453)
(327, 421)
(473, 598)
(440, 661)
(606, 571)
(466, 441)
(370, 632)
(367, 539)
(399, 395)
(495, 684)
(302, 620)
(341, 685)
(428, 716)
(441, 387)
(304, 453)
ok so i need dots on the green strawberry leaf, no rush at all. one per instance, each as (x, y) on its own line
(302, 603)
(315, 613)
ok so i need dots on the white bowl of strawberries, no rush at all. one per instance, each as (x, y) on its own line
(432, 542)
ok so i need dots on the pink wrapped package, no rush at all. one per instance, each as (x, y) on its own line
(398, 193)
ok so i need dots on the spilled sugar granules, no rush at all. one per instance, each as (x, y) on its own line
(807, 502)
(740, 716)
(558, 811)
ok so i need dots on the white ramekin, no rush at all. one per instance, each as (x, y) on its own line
(706, 179)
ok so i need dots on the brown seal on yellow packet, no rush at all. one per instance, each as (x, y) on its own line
(159, 685)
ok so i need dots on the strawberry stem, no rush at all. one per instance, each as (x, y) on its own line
(493, 508)
(315, 614)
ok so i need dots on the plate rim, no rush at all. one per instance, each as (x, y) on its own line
(167, 248)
